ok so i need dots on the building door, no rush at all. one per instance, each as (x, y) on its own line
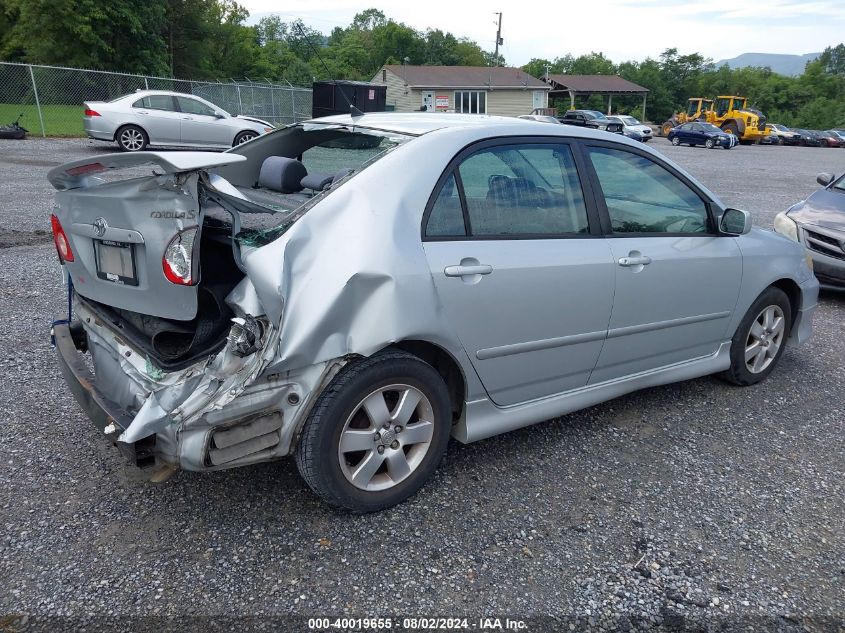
(538, 101)
(428, 100)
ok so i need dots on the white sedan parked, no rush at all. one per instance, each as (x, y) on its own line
(155, 117)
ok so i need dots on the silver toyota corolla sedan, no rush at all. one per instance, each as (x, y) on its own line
(173, 119)
(354, 291)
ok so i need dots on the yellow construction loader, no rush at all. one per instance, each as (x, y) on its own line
(732, 114)
(696, 111)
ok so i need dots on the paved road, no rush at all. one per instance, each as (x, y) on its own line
(691, 503)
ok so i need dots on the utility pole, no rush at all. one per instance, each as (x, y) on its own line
(547, 72)
(499, 40)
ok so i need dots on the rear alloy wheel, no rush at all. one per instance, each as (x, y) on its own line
(676, 141)
(377, 433)
(243, 137)
(760, 339)
(131, 138)
(709, 143)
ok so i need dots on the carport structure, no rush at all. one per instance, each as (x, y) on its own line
(587, 85)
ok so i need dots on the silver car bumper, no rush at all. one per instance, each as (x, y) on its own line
(802, 328)
(95, 127)
(257, 421)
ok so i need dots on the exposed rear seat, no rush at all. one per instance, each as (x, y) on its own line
(288, 176)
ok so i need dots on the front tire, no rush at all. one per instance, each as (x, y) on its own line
(377, 433)
(243, 137)
(676, 141)
(760, 339)
(131, 138)
(709, 143)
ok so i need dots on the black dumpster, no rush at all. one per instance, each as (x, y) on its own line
(335, 97)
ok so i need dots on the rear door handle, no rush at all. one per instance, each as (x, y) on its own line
(187, 118)
(642, 260)
(461, 271)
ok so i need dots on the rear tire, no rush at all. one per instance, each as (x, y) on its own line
(760, 339)
(368, 443)
(131, 138)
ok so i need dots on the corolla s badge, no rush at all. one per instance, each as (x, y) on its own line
(100, 226)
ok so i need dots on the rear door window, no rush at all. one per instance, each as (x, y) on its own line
(156, 102)
(518, 190)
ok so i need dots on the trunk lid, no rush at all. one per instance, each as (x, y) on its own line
(118, 231)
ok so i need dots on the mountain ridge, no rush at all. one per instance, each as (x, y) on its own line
(782, 64)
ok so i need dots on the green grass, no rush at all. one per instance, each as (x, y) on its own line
(59, 120)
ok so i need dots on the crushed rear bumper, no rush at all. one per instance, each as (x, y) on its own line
(104, 413)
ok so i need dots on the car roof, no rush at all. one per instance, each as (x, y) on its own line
(419, 123)
(150, 93)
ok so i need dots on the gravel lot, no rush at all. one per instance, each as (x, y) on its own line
(689, 506)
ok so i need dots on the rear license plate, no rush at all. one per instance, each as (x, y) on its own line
(115, 262)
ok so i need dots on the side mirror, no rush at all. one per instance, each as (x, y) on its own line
(824, 179)
(735, 222)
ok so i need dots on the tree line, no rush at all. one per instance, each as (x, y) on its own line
(210, 39)
(814, 99)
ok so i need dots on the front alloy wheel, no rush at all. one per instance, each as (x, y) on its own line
(244, 137)
(676, 141)
(765, 338)
(376, 433)
(760, 339)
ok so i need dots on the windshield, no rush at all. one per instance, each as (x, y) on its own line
(709, 127)
(839, 185)
(629, 120)
(595, 114)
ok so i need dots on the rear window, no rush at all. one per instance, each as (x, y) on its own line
(344, 154)
(328, 153)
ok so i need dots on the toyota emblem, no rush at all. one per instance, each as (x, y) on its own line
(100, 227)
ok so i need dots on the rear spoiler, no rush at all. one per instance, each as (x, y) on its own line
(76, 173)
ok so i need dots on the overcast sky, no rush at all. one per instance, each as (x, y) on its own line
(621, 29)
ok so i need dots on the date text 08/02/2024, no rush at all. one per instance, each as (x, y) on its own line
(417, 624)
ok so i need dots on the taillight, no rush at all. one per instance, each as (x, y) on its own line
(60, 240)
(90, 112)
(178, 260)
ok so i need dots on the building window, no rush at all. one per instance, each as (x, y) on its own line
(471, 101)
(384, 75)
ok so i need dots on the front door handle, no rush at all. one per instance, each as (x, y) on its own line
(464, 270)
(641, 260)
(187, 118)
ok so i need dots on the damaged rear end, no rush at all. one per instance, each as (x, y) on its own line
(166, 344)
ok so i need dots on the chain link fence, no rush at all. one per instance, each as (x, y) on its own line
(49, 98)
